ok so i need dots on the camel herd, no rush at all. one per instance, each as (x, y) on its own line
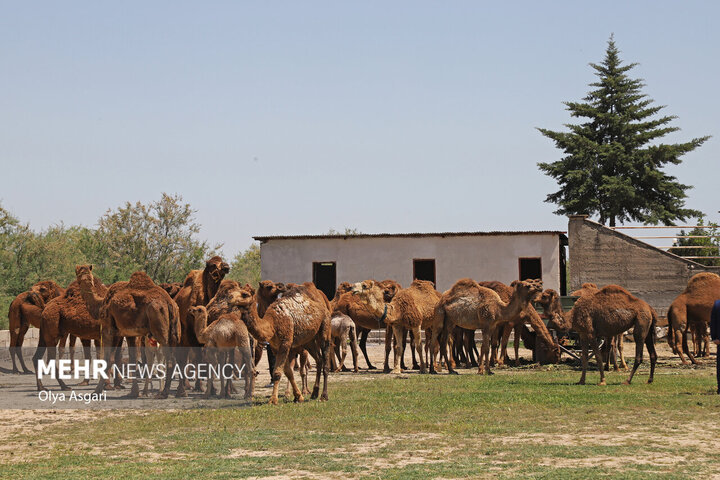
(211, 316)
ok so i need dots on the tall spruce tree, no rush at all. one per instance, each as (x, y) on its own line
(613, 165)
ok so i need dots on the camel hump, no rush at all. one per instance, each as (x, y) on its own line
(141, 281)
(614, 289)
(423, 284)
(703, 280)
(464, 283)
(589, 285)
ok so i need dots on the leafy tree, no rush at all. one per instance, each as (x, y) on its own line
(158, 238)
(613, 166)
(710, 246)
(245, 267)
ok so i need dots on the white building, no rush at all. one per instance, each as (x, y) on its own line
(442, 258)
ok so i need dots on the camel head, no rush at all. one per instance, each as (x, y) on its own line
(390, 288)
(270, 290)
(216, 269)
(235, 294)
(46, 289)
(553, 311)
(344, 287)
(527, 289)
(84, 275)
(371, 294)
(197, 312)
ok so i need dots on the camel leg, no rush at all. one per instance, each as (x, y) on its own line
(584, 356)
(415, 336)
(86, 355)
(354, 348)
(305, 369)
(291, 381)
(640, 335)
(343, 354)
(516, 343)
(71, 346)
(620, 341)
(650, 344)
(444, 340)
(61, 346)
(599, 359)
(16, 342)
(281, 358)
(388, 346)
(485, 354)
(325, 351)
(398, 332)
(39, 353)
(413, 348)
(335, 357)
(246, 357)
(685, 346)
(364, 333)
(507, 330)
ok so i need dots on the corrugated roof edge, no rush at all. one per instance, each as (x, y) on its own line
(408, 235)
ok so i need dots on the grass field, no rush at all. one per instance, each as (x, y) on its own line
(532, 422)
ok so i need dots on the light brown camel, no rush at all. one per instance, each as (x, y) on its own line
(220, 339)
(132, 310)
(198, 288)
(471, 306)
(68, 314)
(342, 329)
(693, 305)
(411, 309)
(26, 310)
(267, 292)
(605, 314)
(299, 320)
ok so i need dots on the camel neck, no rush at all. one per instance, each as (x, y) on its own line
(260, 328)
(93, 301)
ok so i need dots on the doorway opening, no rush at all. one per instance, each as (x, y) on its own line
(324, 277)
(424, 269)
(530, 268)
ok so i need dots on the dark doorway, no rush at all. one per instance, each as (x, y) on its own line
(530, 268)
(324, 278)
(424, 269)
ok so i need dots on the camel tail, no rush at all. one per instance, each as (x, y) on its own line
(654, 323)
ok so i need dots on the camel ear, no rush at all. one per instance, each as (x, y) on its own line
(90, 267)
(225, 267)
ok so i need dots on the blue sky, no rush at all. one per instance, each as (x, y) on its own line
(298, 117)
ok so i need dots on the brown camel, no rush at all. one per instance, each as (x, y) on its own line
(471, 306)
(692, 306)
(610, 311)
(299, 320)
(198, 288)
(132, 310)
(365, 320)
(612, 346)
(26, 310)
(220, 339)
(550, 349)
(411, 309)
(68, 314)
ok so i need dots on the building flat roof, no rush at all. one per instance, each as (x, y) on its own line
(412, 235)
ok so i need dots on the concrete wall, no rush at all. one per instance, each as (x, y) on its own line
(485, 257)
(603, 256)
